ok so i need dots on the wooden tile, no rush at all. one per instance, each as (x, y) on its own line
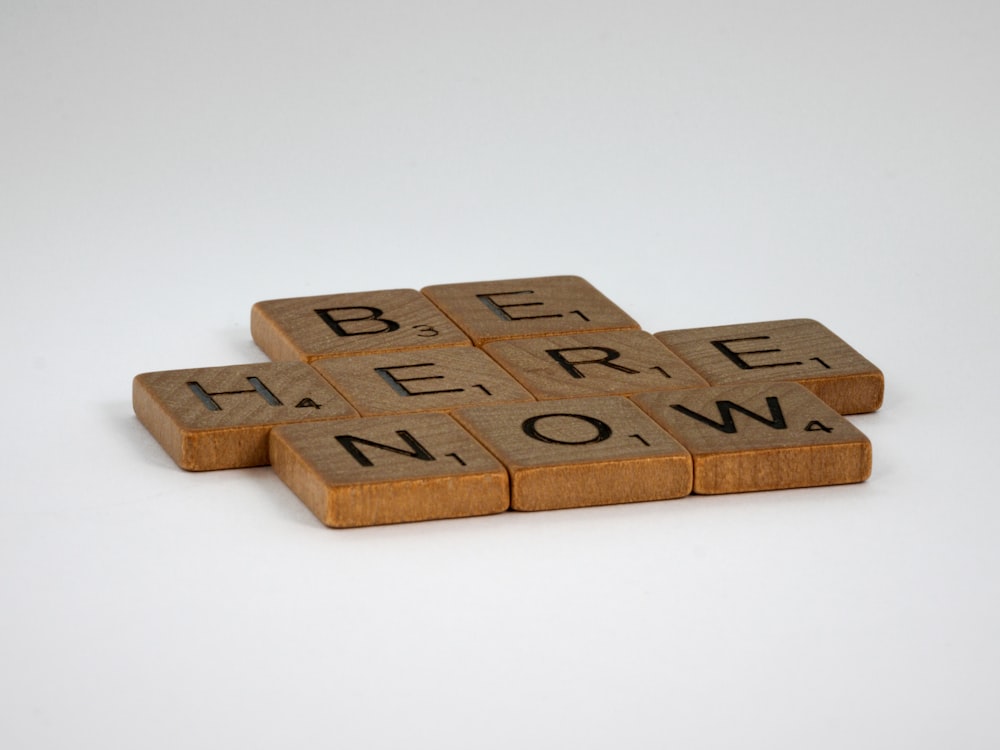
(424, 380)
(580, 452)
(593, 364)
(310, 328)
(799, 350)
(761, 436)
(514, 308)
(220, 417)
(379, 470)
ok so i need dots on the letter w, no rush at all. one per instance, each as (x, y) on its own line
(726, 409)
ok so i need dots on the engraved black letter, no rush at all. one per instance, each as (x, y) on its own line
(737, 360)
(726, 409)
(397, 383)
(501, 310)
(570, 367)
(419, 451)
(212, 405)
(530, 428)
(373, 313)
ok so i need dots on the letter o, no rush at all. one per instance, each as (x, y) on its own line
(530, 428)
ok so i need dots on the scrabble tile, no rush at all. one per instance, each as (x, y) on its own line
(761, 436)
(592, 364)
(799, 350)
(571, 453)
(514, 308)
(393, 469)
(220, 417)
(423, 380)
(310, 328)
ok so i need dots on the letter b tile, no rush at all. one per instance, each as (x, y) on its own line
(333, 325)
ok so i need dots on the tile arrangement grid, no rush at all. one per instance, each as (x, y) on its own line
(527, 394)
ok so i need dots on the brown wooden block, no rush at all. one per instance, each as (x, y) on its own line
(310, 328)
(514, 308)
(580, 452)
(424, 380)
(593, 364)
(379, 470)
(799, 350)
(220, 417)
(761, 436)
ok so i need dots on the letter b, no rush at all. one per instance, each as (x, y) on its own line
(336, 323)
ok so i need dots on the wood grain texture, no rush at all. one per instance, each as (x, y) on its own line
(425, 380)
(395, 469)
(572, 453)
(311, 328)
(219, 417)
(761, 436)
(515, 308)
(593, 364)
(799, 350)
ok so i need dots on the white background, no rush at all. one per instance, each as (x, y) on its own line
(165, 165)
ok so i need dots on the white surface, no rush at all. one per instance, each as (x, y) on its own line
(163, 166)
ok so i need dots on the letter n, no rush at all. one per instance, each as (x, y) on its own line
(350, 444)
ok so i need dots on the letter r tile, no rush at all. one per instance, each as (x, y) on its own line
(802, 350)
(333, 325)
(569, 453)
(515, 308)
(604, 363)
(392, 469)
(760, 436)
(219, 417)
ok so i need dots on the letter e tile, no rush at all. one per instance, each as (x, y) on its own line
(219, 417)
(569, 453)
(392, 469)
(802, 350)
(421, 380)
(761, 436)
(514, 308)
